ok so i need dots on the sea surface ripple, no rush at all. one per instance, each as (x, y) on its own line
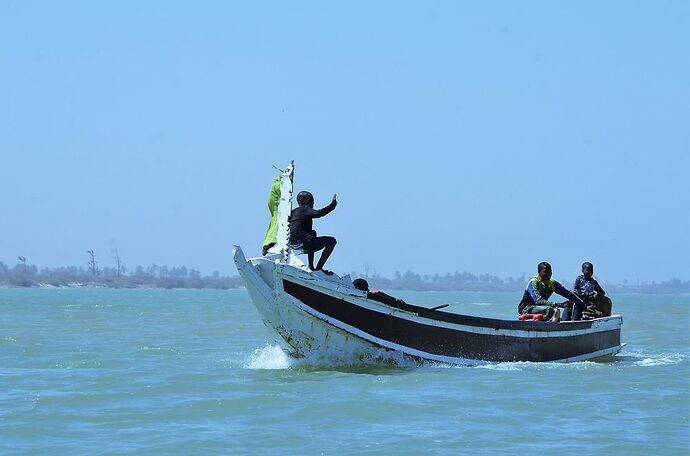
(99, 371)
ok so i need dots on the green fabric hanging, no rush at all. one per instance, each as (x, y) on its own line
(273, 202)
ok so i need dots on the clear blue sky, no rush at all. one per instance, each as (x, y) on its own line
(459, 136)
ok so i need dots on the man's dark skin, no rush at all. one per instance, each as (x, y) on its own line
(540, 288)
(306, 201)
(545, 274)
(588, 272)
(327, 250)
(589, 290)
(376, 295)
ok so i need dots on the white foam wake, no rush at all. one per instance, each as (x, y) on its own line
(269, 357)
(273, 357)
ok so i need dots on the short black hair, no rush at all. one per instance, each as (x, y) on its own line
(301, 196)
(587, 263)
(361, 284)
(543, 265)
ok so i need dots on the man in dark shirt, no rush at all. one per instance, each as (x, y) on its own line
(376, 295)
(540, 288)
(589, 290)
(302, 236)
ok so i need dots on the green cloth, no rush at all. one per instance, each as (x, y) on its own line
(273, 202)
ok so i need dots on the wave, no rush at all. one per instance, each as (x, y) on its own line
(643, 359)
(274, 357)
(159, 350)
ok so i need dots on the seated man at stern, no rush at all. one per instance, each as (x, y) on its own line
(588, 289)
(302, 236)
(540, 288)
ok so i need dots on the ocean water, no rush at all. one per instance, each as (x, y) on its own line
(98, 371)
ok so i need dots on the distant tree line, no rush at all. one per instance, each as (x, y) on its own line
(155, 276)
(466, 281)
(458, 281)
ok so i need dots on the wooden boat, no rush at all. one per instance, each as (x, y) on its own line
(312, 313)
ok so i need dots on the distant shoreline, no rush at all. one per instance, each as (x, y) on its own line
(77, 286)
(647, 289)
(23, 275)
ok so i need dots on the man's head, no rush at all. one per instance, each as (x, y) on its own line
(544, 270)
(361, 284)
(305, 199)
(587, 269)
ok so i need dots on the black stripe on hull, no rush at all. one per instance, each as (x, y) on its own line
(452, 342)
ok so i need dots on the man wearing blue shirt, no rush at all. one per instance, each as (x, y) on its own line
(588, 289)
(539, 289)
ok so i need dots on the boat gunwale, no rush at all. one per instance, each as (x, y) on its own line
(456, 318)
(392, 331)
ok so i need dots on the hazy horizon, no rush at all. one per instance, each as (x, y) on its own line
(369, 272)
(479, 137)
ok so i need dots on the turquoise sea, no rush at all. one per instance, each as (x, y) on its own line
(100, 371)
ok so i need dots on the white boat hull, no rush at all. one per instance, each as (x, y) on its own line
(325, 317)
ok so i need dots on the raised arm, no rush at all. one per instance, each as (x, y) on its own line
(317, 213)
